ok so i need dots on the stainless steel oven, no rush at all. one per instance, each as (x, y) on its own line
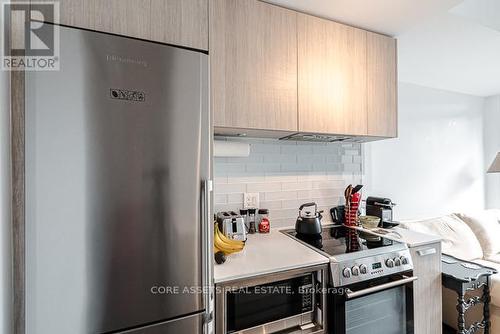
(286, 302)
(380, 306)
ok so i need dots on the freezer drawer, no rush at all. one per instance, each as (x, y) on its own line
(191, 324)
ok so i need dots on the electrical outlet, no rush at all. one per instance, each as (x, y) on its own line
(251, 200)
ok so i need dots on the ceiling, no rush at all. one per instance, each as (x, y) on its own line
(452, 45)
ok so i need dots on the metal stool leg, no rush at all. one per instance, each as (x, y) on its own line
(461, 312)
(486, 307)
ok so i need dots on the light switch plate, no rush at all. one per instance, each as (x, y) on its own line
(251, 200)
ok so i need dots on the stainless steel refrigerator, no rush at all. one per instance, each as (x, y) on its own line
(117, 194)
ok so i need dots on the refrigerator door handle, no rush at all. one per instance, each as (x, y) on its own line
(207, 228)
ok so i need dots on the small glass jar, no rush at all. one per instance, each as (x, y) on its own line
(244, 215)
(251, 221)
(264, 223)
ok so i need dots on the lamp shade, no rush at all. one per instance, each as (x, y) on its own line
(495, 166)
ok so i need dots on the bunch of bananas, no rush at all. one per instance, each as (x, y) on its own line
(224, 244)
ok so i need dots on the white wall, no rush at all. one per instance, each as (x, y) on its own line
(436, 165)
(5, 244)
(491, 138)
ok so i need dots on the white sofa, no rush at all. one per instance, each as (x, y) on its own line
(469, 236)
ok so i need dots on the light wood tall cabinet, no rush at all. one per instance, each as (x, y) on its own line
(253, 51)
(427, 289)
(332, 83)
(179, 22)
(381, 82)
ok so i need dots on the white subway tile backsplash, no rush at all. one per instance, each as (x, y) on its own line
(336, 184)
(292, 204)
(287, 174)
(252, 158)
(280, 195)
(223, 167)
(220, 199)
(271, 205)
(281, 158)
(295, 149)
(264, 148)
(350, 152)
(347, 159)
(291, 214)
(297, 167)
(351, 167)
(327, 167)
(304, 195)
(262, 187)
(236, 198)
(321, 193)
(263, 167)
(243, 177)
(311, 158)
(220, 179)
(230, 188)
(333, 159)
(282, 177)
(313, 176)
(332, 149)
(296, 186)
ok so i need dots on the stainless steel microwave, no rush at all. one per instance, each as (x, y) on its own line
(286, 302)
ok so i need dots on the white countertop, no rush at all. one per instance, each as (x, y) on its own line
(265, 254)
(411, 238)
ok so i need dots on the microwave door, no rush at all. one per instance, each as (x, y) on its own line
(114, 165)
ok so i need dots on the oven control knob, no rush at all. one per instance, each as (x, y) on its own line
(389, 263)
(403, 259)
(397, 261)
(363, 269)
(355, 270)
(346, 272)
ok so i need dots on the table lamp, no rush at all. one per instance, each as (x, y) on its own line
(495, 166)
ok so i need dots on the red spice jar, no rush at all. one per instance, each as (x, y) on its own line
(264, 224)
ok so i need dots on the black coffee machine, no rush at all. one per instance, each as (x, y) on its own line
(381, 207)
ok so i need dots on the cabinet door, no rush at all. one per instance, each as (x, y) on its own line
(178, 22)
(331, 77)
(124, 17)
(181, 22)
(427, 289)
(75, 13)
(381, 85)
(253, 51)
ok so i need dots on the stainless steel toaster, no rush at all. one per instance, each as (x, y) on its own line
(232, 225)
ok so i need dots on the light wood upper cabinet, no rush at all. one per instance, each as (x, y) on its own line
(253, 51)
(179, 22)
(381, 85)
(331, 77)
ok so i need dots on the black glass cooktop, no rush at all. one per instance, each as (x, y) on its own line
(333, 240)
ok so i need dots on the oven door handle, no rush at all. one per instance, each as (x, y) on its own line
(405, 280)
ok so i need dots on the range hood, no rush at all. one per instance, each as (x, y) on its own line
(293, 136)
(321, 138)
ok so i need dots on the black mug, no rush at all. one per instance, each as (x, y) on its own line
(338, 214)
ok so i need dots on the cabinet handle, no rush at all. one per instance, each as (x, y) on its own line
(427, 251)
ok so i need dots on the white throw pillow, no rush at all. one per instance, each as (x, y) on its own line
(457, 238)
(486, 227)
